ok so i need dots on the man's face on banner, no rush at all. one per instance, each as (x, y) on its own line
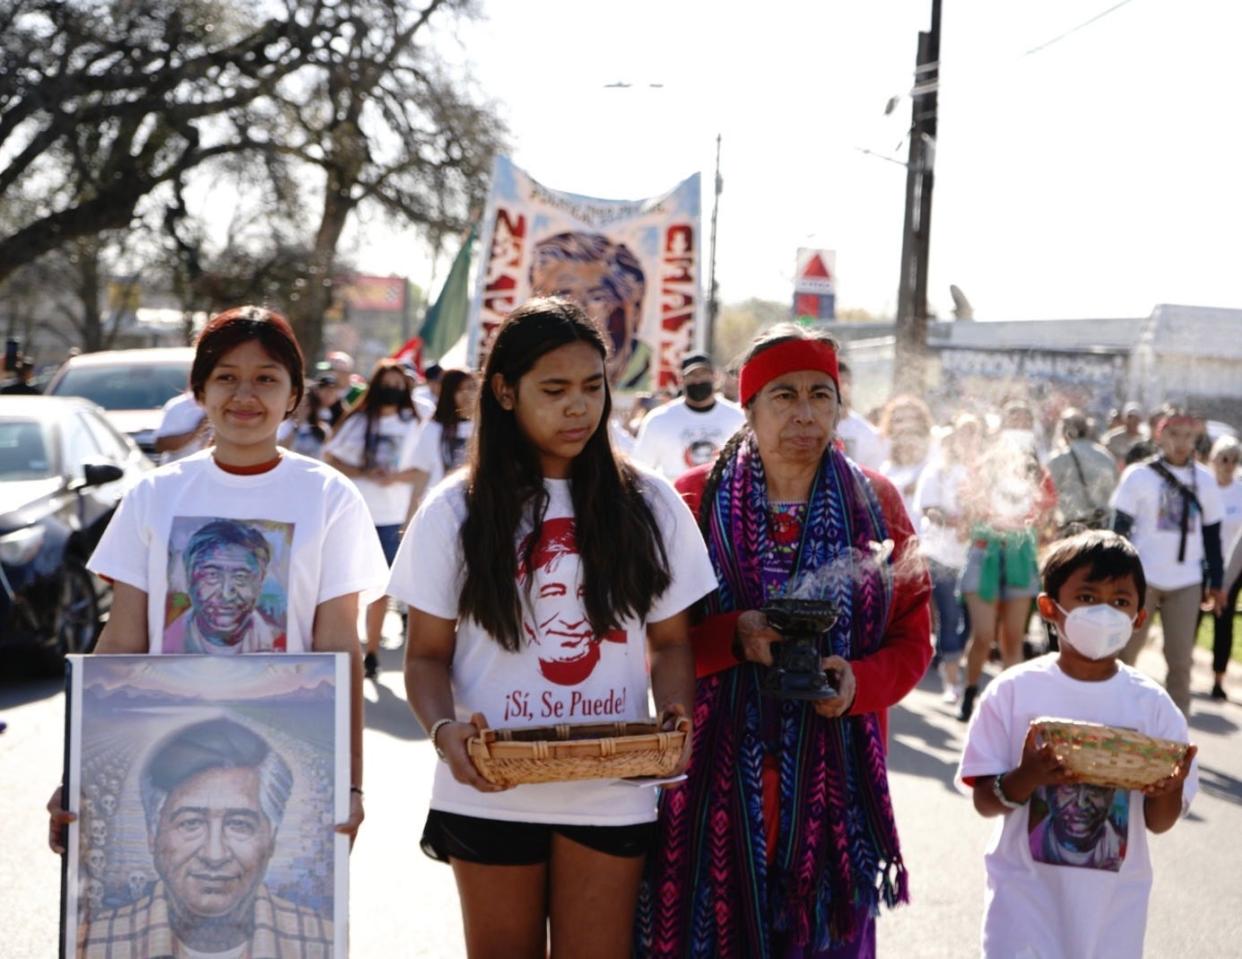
(213, 841)
(610, 292)
(225, 583)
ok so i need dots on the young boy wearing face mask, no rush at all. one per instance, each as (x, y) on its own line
(1068, 870)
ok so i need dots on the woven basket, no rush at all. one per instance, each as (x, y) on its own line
(550, 754)
(1108, 756)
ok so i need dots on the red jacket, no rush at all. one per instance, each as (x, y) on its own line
(887, 675)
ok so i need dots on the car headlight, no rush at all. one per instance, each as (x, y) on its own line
(19, 548)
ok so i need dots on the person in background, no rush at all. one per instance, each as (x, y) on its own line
(1225, 455)
(943, 540)
(1170, 508)
(906, 425)
(184, 428)
(374, 446)
(442, 445)
(349, 382)
(1007, 506)
(1085, 475)
(1119, 441)
(24, 384)
(690, 431)
(316, 416)
(428, 391)
(863, 443)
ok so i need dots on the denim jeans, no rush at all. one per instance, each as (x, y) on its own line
(950, 621)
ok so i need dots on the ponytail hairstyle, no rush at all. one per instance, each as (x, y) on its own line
(624, 563)
(447, 414)
(368, 404)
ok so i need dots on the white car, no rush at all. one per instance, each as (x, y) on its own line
(132, 386)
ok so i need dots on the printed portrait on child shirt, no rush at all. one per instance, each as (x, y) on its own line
(228, 586)
(554, 617)
(1079, 825)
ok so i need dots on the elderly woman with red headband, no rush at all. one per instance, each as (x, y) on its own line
(782, 841)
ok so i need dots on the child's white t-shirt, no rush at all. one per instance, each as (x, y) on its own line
(429, 452)
(1068, 874)
(222, 556)
(393, 441)
(675, 438)
(938, 487)
(1156, 506)
(563, 672)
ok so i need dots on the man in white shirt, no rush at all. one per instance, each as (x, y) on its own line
(1170, 508)
(863, 443)
(183, 428)
(689, 431)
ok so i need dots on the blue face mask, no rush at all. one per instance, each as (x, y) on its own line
(1097, 631)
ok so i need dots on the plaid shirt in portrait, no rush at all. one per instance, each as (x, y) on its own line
(141, 930)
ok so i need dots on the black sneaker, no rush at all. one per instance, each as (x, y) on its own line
(370, 665)
(1218, 693)
(968, 703)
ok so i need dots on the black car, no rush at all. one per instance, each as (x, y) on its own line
(63, 470)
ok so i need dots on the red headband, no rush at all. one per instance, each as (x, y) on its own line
(788, 357)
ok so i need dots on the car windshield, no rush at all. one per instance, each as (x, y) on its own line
(23, 451)
(138, 386)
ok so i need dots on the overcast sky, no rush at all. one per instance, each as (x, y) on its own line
(1093, 178)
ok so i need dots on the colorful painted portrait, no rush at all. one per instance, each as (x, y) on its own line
(1079, 825)
(228, 586)
(207, 791)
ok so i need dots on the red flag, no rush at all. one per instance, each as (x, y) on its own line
(411, 352)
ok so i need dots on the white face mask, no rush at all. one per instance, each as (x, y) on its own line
(1097, 631)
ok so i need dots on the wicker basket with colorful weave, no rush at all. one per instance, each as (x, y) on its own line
(548, 754)
(1109, 756)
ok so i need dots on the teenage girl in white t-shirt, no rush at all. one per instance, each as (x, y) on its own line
(541, 582)
(374, 446)
(271, 511)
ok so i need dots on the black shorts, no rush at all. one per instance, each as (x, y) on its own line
(493, 842)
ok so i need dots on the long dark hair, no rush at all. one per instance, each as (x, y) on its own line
(766, 340)
(447, 414)
(624, 563)
(368, 404)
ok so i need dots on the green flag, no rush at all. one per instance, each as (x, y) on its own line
(445, 322)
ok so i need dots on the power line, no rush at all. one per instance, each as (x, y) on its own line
(1072, 30)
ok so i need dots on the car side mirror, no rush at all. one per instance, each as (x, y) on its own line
(100, 474)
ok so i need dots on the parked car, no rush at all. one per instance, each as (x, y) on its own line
(63, 471)
(131, 385)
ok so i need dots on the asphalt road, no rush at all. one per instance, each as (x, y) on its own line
(404, 905)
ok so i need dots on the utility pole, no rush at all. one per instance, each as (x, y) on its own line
(713, 302)
(910, 366)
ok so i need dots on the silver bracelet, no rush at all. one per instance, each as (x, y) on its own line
(999, 792)
(435, 729)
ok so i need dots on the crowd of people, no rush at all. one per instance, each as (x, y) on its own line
(551, 578)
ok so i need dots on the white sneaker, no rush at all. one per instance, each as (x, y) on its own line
(951, 695)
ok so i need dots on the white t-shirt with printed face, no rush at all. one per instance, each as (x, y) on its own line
(429, 453)
(675, 438)
(1156, 506)
(564, 672)
(1068, 874)
(239, 563)
(393, 441)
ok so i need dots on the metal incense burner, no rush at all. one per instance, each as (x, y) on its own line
(796, 672)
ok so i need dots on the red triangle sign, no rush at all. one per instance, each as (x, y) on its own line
(815, 269)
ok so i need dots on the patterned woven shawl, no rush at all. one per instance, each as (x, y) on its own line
(709, 890)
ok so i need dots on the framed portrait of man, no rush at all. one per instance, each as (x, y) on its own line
(207, 790)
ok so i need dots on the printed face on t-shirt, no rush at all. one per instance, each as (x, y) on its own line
(1079, 825)
(228, 583)
(556, 621)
